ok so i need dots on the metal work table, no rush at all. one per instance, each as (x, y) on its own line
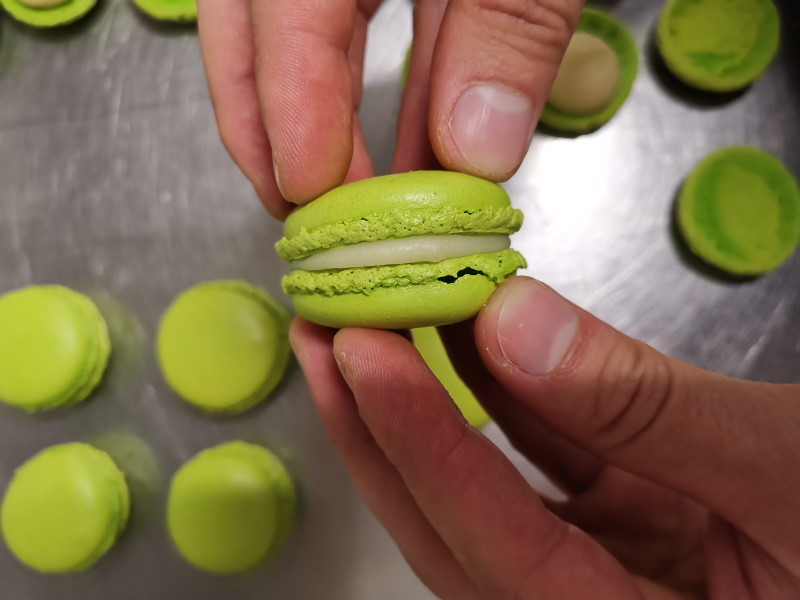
(113, 182)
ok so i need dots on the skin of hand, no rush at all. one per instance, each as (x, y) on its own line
(285, 78)
(679, 483)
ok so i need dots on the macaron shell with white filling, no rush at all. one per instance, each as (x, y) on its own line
(614, 34)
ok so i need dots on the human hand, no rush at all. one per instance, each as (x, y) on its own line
(680, 483)
(285, 78)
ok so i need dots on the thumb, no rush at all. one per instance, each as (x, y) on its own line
(492, 69)
(729, 444)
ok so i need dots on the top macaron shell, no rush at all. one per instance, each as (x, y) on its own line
(54, 347)
(64, 508)
(417, 294)
(230, 507)
(223, 345)
(53, 16)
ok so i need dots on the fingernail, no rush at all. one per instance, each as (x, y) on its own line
(535, 327)
(492, 128)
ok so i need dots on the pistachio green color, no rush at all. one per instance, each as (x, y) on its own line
(54, 16)
(718, 45)
(223, 345)
(616, 36)
(390, 207)
(230, 508)
(182, 11)
(739, 210)
(54, 347)
(64, 508)
(429, 345)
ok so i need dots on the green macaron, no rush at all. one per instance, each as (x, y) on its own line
(64, 508)
(400, 251)
(182, 11)
(223, 345)
(430, 347)
(739, 210)
(47, 13)
(230, 507)
(565, 109)
(718, 45)
(54, 347)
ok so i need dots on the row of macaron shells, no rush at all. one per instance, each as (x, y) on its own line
(223, 348)
(56, 13)
(229, 508)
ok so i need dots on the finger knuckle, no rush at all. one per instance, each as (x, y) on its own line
(634, 387)
(541, 28)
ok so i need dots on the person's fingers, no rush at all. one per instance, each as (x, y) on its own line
(413, 150)
(492, 68)
(376, 478)
(727, 443)
(226, 41)
(306, 88)
(480, 505)
(568, 466)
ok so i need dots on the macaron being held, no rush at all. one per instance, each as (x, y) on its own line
(400, 251)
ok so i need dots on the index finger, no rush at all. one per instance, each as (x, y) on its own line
(306, 90)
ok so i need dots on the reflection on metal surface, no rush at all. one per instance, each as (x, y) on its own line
(112, 178)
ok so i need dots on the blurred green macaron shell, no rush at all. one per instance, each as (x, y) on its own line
(614, 34)
(230, 507)
(181, 11)
(223, 345)
(739, 210)
(429, 345)
(48, 16)
(184, 11)
(718, 45)
(436, 290)
(54, 347)
(64, 508)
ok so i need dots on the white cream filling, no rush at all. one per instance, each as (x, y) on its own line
(422, 248)
(43, 3)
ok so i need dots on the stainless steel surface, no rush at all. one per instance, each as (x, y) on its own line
(113, 182)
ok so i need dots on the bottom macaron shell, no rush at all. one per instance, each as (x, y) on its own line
(429, 304)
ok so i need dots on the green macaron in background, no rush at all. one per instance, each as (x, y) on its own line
(566, 109)
(223, 346)
(47, 13)
(230, 507)
(400, 251)
(718, 45)
(181, 11)
(739, 210)
(64, 508)
(54, 347)
(429, 345)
